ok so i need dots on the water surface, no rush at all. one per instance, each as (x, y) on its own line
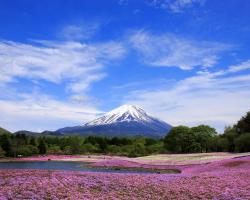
(60, 165)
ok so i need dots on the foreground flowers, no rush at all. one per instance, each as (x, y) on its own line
(227, 179)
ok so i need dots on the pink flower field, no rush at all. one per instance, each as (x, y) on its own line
(226, 180)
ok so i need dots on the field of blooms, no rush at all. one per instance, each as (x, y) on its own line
(226, 180)
(160, 159)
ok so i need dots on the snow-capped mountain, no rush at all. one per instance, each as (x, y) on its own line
(123, 113)
(126, 120)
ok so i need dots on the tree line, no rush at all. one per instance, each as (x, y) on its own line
(203, 138)
(180, 139)
(14, 145)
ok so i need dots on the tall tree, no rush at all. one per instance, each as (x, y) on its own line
(2, 152)
(204, 135)
(42, 147)
(33, 141)
(230, 134)
(75, 144)
(5, 143)
(243, 143)
(180, 139)
(243, 125)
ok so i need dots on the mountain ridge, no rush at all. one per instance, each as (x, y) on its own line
(126, 120)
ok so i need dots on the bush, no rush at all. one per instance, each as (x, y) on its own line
(114, 149)
(155, 148)
(54, 150)
(137, 150)
(88, 148)
(27, 150)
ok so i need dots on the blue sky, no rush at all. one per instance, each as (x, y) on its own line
(64, 63)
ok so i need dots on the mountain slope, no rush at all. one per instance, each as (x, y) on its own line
(126, 120)
(4, 131)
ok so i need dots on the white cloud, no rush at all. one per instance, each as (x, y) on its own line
(73, 66)
(83, 99)
(168, 50)
(83, 85)
(38, 112)
(74, 62)
(175, 6)
(179, 5)
(210, 98)
(243, 66)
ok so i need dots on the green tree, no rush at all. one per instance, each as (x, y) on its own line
(180, 139)
(243, 142)
(33, 141)
(157, 147)
(230, 134)
(42, 147)
(67, 150)
(75, 144)
(89, 148)
(2, 152)
(138, 149)
(243, 125)
(203, 135)
(102, 142)
(18, 141)
(222, 144)
(54, 150)
(27, 150)
(5, 143)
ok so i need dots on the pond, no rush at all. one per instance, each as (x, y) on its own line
(60, 165)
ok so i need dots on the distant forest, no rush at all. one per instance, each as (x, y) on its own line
(180, 139)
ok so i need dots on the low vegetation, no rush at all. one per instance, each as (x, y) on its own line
(226, 179)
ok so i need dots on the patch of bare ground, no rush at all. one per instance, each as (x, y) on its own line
(235, 163)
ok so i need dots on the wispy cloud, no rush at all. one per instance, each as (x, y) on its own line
(175, 6)
(71, 66)
(38, 112)
(82, 31)
(242, 66)
(73, 62)
(210, 98)
(168, 50)
(84, 84)
(122, 2)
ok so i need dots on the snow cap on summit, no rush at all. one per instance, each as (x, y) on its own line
(122, 113)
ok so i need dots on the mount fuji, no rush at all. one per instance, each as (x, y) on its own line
(126, 120)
